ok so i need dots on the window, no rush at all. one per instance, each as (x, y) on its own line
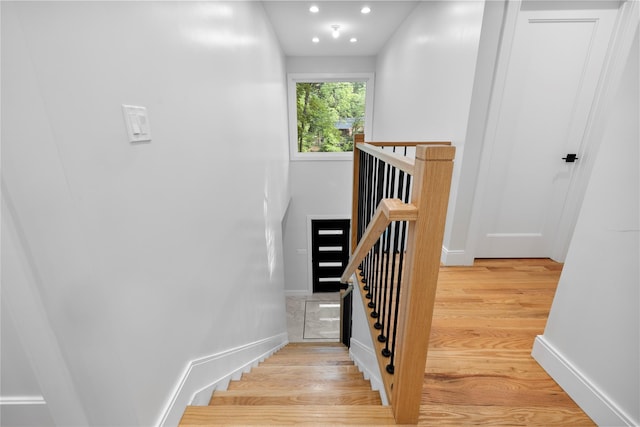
(325, 111)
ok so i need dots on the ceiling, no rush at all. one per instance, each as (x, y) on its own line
(295, 25)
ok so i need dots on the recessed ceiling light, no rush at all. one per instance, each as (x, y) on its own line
(336, 31)
(365, 10)
(315, 40)
(353, 39)
(314, 9)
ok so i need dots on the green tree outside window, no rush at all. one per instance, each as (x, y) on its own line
(329, 114)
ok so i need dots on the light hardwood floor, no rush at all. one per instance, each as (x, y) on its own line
(479, 368)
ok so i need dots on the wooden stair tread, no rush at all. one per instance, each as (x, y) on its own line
(305, 384)
(304, 370)
(323, 345)
(316, 375)
(287, 415)
(301, 385)
(317, 350)
(311, 353)
(306, 362)
(309, 356)
(288, 397)
(290, 381)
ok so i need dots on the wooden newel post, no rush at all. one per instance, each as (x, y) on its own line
(430, 194)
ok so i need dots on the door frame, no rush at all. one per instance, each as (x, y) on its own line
(621, 39)
(310, 218)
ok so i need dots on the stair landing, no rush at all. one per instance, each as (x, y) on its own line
(302, 384)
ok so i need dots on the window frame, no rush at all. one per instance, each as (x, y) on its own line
(294, 78)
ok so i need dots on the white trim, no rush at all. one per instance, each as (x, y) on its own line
(595, 403)
(621, 39)
(454, 257)
(361, 348)
(365, 358)
(310, 249)
(476, 223)
(293, 78)
(22, 400)
(215, 371)
(614, 64)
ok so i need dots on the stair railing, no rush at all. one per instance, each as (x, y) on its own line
(398, 218)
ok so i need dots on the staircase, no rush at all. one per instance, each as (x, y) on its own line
(302, 383)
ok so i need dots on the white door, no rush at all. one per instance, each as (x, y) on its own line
(546, 81)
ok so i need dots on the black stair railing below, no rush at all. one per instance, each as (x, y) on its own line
(400, 196)
(381, 270)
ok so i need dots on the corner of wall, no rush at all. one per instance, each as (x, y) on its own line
(578, 386)
(451, 257)
(202, 376)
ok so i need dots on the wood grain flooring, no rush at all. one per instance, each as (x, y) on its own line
(302, 384)
(479, 369)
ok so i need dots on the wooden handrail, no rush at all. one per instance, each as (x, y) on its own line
(359, 138)
(425, 213)
(430, 193)
(401, 162)
(388, 210)
(407, 143)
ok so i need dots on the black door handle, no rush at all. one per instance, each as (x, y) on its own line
(570, 158)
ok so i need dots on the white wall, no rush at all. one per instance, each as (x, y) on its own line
(318, 188)
(22, 401)
(144, 254)
(591, 344)
(331, 64)
(456, 237)
(425, 76)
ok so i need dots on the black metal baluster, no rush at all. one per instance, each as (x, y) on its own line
(371, 211)
(374, 304)
(361, 202)
(396, 235)
(390, 366)
(386, 312)
(367, 216)
(393, 285)
(361, 193)
(382, 264)
(384, 270)
(374, 273)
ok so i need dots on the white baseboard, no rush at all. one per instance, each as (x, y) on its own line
(451, 257)
(365, 358)
(25, 410)
(209, 373)
(596, 404)
(22, 400)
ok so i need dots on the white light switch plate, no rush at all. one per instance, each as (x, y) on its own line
(137, 123)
